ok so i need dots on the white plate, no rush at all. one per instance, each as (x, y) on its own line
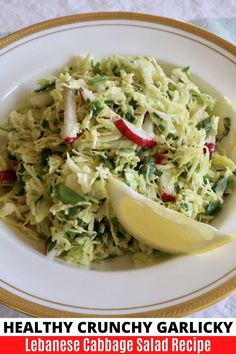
(40, 286)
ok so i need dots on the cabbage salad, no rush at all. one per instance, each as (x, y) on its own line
(121, 116)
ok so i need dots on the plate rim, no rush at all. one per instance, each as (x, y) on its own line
(187, 307)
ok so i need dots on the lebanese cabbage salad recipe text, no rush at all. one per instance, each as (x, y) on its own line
(121, 117)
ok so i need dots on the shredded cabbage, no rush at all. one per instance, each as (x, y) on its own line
(60, 188)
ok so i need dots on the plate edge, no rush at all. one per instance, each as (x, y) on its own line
(179, 310)
(134, 16)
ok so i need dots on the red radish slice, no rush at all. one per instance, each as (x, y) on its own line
(70, 119)
(167, 189)
(210, 146)
(70, 140)
(160, 159)
(83, 96)
(166, 197)
(8, 176)
(134, 134)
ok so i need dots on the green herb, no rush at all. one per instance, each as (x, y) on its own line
(71, 213)
(39, 170)
(221, 185)
(184, 174)
(46, 87)
(138, 87)
(171, 136)
(96, 108)
(20, 170)
(96, 68)
(227, 126)
(45, 153)
(12, 157)
(161, 127)
(149, 168)
(205, 124)
(49, 244)
(155, 115)
(116, 71)
(129, 116)
(110, 103)
(19, 186)
(97, 80)
(206, 179)
(213, 207)
(157, 84)
(177, 188)
(184, 206)
(133, 103)
(185, 69)
(67, 195)
(108, 163)
(4, 129)
(45, 124)
(39, 199)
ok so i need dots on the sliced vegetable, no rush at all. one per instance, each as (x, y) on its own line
(96, 68)
(96, 108)
(8, 176)
(211, 147)
(70, 140)
(205, 124)
(49, 245)
(97, 80)
(134, 134)
(166, 197)
(221, 185)
(185, 69)
(46, 87)
(213, 207)
(108, 163)
(160, 159)
(70, 119)
(149, 168)
(66, 195)
(83, 96)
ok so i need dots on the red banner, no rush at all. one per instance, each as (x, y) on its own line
(124, 344)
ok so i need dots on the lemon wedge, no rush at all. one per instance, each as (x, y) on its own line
(159, 227)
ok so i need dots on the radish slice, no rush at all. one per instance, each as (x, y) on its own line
(70, 120)
(210, 146)
(8, 176)
(167, 189)
(134, 134)
(83, 96)
(168, 197)
(160, 159)
(70, 140)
